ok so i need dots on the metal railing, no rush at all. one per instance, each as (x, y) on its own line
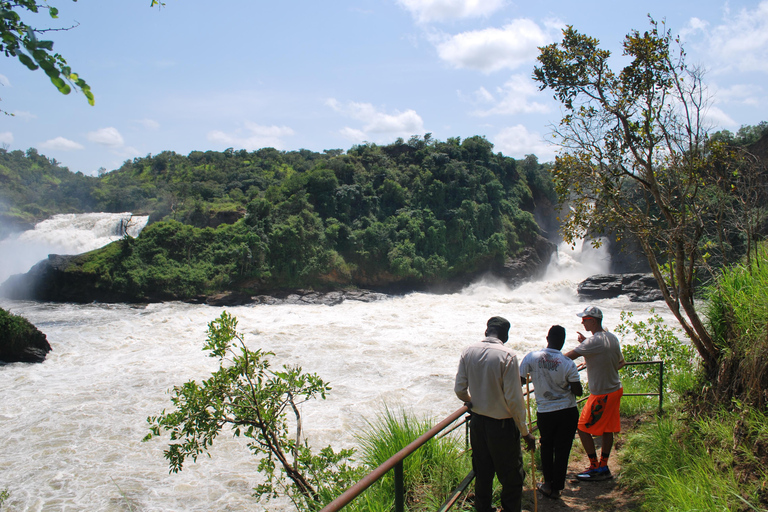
(660, 394)
(396, 461)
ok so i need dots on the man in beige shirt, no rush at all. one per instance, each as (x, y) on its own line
(488, 380)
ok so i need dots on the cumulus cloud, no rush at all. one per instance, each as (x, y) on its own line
(514, 97)
(517, 142)
(109, 137)
(61, 144)
(6, 138)
(442, 10)
(716, 117)
(740, 41)
(492, 49)
(148, 124)
(377, 125)
(252, 136)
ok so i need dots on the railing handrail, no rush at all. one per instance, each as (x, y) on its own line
(353, 492)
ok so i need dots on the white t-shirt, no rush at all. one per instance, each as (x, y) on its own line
(551, 372)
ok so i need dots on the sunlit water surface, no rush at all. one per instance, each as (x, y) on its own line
(73, 425)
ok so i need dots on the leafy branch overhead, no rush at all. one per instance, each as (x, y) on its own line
(253, 400)
(20, 40)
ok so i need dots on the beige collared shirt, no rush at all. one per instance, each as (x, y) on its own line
(489, 377)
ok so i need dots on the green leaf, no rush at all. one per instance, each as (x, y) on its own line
(27, 61)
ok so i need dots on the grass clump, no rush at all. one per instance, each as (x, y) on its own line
(430, 473)
(711, 452)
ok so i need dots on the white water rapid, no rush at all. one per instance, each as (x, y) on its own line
(65, 234)
(72, 426)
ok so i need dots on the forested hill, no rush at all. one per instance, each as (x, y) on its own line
(407, 214)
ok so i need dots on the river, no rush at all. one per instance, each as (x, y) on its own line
(73, 425)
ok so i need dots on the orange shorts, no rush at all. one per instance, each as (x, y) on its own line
(601, 414)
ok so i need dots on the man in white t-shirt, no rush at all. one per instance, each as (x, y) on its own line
(556, 384)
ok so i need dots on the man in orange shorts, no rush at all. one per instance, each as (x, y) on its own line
(600, 415)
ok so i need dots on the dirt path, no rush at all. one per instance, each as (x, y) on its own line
(604, 496)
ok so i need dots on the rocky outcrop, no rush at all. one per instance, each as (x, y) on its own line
(531, 264)
(292, 297)
(49, 280)
(639, 287)
(20, 341)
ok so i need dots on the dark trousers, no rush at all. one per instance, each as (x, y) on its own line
(496, 450)
(557, 430)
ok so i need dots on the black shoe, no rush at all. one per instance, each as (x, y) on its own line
(547, 491)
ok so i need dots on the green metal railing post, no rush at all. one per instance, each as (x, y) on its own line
(661, 388)
(399, 488)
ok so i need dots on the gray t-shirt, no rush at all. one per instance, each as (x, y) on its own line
(602, 353)
(551, 372)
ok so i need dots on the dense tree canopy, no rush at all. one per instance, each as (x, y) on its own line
(409, 213)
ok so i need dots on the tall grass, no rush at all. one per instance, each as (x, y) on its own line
(430, 473)
(737, 315)
(683, 465)
(711, 452)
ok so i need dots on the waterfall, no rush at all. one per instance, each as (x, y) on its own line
(65, 234)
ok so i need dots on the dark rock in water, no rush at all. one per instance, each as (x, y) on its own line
(312, 297)
(228, 299)
(20, 341)
(531, 264)
(639, 287)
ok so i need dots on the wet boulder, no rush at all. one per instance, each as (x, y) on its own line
(639, 287)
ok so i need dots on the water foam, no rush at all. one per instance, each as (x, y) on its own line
(72, 425)
(65, 234)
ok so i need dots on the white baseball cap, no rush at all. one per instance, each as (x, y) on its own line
(591, 312)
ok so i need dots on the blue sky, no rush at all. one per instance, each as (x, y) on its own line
(294, 74)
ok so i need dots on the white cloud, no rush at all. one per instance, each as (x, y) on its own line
(492, 49)
(109, 137)
(148, 124)
(61, 144)
(377, 125)
(443, 10)
(717, 118)
(514, 98)
(24, 115)
(253, 136)
(740, 94)
(4, 81)
(741, 41)
(517, 142)
(6, 138)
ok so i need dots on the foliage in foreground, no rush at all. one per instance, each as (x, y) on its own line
(252, 400)
(430, 473)
(654, 340)
(714, 463)
(737, 313)
(711, 453)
